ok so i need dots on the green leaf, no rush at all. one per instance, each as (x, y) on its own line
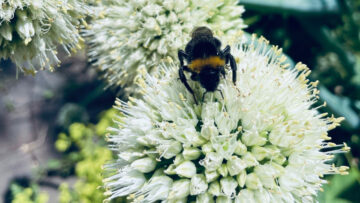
(338, 185)
(340, 105)
(294, 7)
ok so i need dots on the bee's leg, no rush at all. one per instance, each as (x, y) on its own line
(225, 52)
(233, 67)
(183, 80)
(229, 58)
(182, 55)
(203, 97)
(185, 68)
(222, 71)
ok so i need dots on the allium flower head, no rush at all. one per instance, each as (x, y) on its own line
(127, 35)
(263, 142)
(30, 31)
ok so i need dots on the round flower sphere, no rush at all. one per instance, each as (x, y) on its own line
(30, 31)
(127, 35)
(261, 140)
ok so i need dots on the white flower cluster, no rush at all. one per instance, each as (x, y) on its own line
(263, 142)
(30, 31)
(127, 35)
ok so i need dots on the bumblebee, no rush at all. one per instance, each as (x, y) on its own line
(205, 61)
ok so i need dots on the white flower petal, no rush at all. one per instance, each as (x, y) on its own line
(228, 186)
(186, 169)
(180, 189)
(144, 165)
(198, 184)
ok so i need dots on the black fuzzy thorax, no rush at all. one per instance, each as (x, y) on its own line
(202, 47)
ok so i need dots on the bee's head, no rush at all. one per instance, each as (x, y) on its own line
(209, 78)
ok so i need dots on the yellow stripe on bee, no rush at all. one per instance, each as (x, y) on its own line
(213, 61)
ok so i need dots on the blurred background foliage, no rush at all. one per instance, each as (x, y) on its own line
(324, 34)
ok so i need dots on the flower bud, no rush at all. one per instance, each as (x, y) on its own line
(245, 196)
(278, 168)
(267, 174)
(241, 178)
(289, 179)
(130, 156)
(170, 149)
(151, 24)
(223, 170)
(170, 169)
(197, 140)
(186, 169)
(180, 189)
(157, 188)
(198, 184)
(144, 165)
(224, 123)
(209, 111)
(262, 196)
(172, 17)
(179, 159)
(6, 31)
(214, 188)
(169, 4)
(191, 153)
(235, 165)
(182, 200)
(252, 138)
(161, 19)
(224, 145)
(250, 160)
(253, 182)
(223, 199)
(207, 148)
(280, 159)
(128, 181)
(228, 186)
(154, 45)
(212, 161)
(259, 152)
(25, 29)
(240, 148)
(151, 9)
(209, 130)
(204, 197)
(211, 176)
(143, 141)
(158, 172)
